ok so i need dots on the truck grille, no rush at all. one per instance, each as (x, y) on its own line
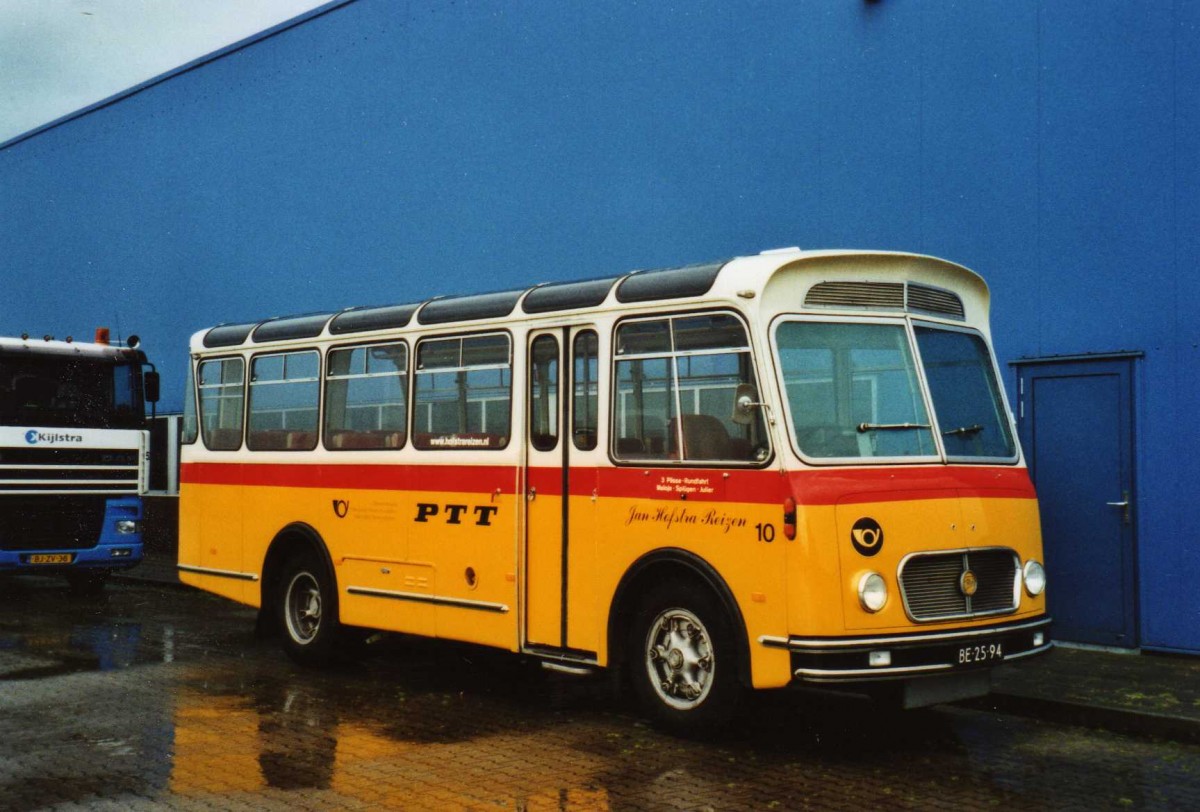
(50, 522)
(930, 584)
(68, 471)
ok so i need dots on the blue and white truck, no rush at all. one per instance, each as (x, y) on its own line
(74, 456)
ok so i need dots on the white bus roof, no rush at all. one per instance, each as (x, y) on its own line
(884, 274)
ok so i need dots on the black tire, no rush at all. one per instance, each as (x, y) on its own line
(306, 607)
(86, 584)
(682, 659)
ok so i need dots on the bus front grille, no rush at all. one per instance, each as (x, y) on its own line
(51, 522)
(932, 584)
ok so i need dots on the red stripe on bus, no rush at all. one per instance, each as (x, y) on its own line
(856, 485)
(762, 486)
(451, 478)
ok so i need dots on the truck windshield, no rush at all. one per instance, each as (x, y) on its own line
(853, 391)
(70, 392)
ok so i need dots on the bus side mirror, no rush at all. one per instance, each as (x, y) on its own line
(745, 401)
(151, 387)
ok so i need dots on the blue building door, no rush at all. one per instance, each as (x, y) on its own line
(1076, 426)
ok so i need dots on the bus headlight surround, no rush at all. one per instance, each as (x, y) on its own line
(872, 592)
(1034, 576)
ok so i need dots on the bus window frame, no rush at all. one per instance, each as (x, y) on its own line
(575, 429)
(191, 393)
(898, 320)
(245, 384)
(410, 355)
(512, 380)
(672, 355)
(536, 389)
(249, 383)
(907, 322)
(1003, 396)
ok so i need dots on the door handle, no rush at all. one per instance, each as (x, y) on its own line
(1124, 505)
(531, 494)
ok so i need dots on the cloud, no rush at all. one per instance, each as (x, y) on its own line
(59, 57)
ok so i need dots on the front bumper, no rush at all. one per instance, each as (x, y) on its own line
(904, 656)
(109, 549)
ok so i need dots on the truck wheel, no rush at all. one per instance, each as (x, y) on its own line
(683, 659)
(306, 611)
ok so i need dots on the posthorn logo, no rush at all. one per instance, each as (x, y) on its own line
(867, 536)
(35, 437)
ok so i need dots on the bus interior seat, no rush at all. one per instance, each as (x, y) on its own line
(223, 439)
(630, 447)
(704, 437)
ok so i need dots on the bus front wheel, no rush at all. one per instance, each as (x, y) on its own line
(306, 611)
(682, 659)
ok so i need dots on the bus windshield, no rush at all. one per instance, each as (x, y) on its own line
(853, 391)
(62, 391)
(966, 395)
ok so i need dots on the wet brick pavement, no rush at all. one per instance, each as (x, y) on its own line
(160, 697)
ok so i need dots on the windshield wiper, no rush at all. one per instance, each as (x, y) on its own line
(963, 430)
(865, 427)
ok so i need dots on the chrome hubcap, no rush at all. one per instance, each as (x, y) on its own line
(303, 608)
(679, 659)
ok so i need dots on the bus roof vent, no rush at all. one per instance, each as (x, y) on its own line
(469, 308)
(856, 295)
(361, 319)
(670, 283)
(568, 295)
(228, 335)
(903, 296)
(934, 300)
(291, 327)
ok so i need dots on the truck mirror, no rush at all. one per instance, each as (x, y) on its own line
(151, 386)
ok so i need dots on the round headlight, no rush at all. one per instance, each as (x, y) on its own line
(872, 591)
(1035, 578)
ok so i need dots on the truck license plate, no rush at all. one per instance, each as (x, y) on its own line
(50, 558)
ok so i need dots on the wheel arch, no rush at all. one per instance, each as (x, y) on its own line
(656, 567)
(295, 537)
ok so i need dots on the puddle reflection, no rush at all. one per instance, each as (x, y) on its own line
(166, 698)
(292, 738)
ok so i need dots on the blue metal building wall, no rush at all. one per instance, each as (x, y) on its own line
(384, 152)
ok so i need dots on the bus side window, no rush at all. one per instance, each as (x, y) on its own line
(222, 386)
(676, 380)
(543, 393)
(586, 397)
(366, 397)
(462, 393)
(284, 391)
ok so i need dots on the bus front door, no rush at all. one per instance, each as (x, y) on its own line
(546, 479)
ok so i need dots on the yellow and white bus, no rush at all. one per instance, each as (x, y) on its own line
(791, 468)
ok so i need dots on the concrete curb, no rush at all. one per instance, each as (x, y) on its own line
(1117, 720)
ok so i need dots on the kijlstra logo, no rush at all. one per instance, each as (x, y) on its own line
(35, 437)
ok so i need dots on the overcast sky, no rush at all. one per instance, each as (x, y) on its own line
(59, 56)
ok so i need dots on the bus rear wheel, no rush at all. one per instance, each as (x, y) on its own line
(683, 660)
(307, 616)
